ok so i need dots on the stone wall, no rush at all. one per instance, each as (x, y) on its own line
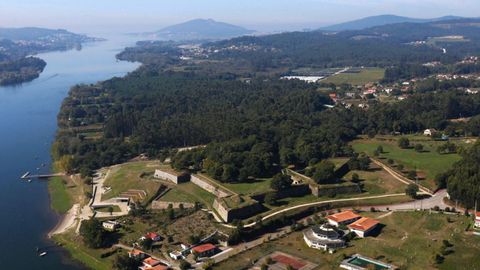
(294, 191)
(170, 176)
(333, 190)
(229, 215)
(164, 205)
(204, 184)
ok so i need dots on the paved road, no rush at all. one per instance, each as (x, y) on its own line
(316, 204)
(436, 200)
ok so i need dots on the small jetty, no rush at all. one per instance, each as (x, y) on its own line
(27, 175)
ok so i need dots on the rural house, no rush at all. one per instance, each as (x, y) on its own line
(342, 218)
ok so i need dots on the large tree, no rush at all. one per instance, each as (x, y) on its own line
(281, 182)
(93, 233)
(463, 181)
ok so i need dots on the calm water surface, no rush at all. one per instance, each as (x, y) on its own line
(27, 128)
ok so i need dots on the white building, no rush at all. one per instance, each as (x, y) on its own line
(323, 237)
(342, 218)
(429, 132)
(110, 225)
(363, 227)
(477, 220)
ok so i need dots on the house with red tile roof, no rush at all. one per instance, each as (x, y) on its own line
(158, 267)
(363, 226)
(151, 235)
(477, 219)
(149, 263)
(137, 254)
(205, 250)
(342, 218)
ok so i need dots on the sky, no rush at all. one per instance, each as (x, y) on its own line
(95, 16)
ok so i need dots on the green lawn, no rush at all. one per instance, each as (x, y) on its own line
(89, 257)
(198, 194)
(408, 240)
(257, 186)
(176, 195)
(60, 199)
(363, 77)
(429, 162)
(377, 182)
(129, 176)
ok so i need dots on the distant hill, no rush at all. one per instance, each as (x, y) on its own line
(35, 33)
(380, 20)
(201, 29)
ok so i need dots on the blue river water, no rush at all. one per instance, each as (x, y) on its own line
(28, 116)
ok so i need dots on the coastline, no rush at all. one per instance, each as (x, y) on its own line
(66, 221)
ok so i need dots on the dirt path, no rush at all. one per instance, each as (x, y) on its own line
(400, 177)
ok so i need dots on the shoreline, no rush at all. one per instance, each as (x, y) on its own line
(66, 221)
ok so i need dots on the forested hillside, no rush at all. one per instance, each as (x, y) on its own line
(228, 96)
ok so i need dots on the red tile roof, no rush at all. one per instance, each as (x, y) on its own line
(158, 267)
(343, 216)
(203, 248)
(135, 252)
(152, 235)
(151, 261)
(364, 224)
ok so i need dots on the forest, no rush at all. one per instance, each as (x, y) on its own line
(254, 127)
(22, 70)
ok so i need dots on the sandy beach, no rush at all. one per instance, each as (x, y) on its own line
(68, 221)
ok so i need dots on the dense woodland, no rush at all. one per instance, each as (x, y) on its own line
(22, 70)
(253, 128)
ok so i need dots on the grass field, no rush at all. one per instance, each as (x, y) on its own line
(429, 161)
(198, 194)
(377, 181)
(257, 186)
(363, 77)
(408, 240)
(133, 175)
(89, 257)
(175, 195)
(60, 199)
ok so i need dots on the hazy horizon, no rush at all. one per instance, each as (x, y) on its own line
(122, 16)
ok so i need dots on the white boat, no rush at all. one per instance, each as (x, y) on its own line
(42, 254)
(25, 175)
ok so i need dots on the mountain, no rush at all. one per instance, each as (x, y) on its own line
(381, 20)
(201, 29)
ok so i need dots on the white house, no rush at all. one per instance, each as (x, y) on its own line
(477, 220)
(342, 218)
(110, 225)
(429, 132)
(176, 255)
(363, 227)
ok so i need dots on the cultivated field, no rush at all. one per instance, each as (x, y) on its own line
(365, 76)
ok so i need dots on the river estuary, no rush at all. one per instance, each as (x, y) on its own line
(27, 128)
